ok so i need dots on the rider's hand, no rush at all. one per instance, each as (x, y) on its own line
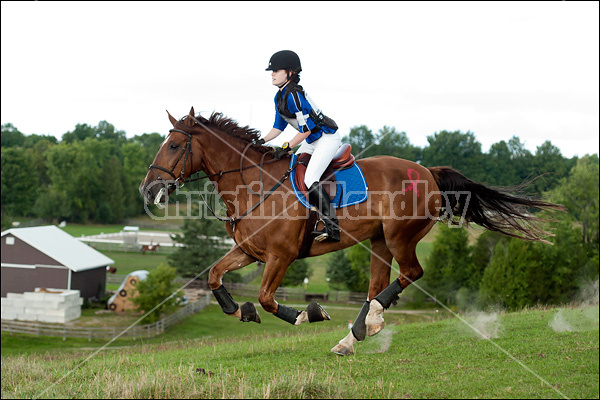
(260, 141)
(281, 151)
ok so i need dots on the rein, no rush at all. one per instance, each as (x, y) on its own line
(187, 152)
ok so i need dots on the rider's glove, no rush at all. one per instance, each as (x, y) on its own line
(281, 151)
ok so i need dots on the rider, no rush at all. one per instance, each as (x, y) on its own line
(317, 133)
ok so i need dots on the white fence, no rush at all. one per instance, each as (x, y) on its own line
(136, 332)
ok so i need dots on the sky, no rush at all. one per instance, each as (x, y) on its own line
(495, 69)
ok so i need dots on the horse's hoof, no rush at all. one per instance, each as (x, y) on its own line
(316, 313)
(342, 350)
(373, 330)
(249, 313)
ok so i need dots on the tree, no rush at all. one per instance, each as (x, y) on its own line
(521, 158)
(111, 207)
(19, 181)
(152, 292)
(362, 141)
(516, 276)
(135, 168)
(202, 241)
(500, 170)
(10, 136)
(107, 131)
(350, 268)
(548, 162)
(455, 149)
(80, 133)
(150, 142)
(449, 265)
(579, 193)
(337, 269)
(396, 144)
(357, 280)
(33, 139)
(296, 273)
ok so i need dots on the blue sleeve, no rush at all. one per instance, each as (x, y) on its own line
(300, 107)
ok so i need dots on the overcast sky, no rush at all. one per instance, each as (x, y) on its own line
(495, 69)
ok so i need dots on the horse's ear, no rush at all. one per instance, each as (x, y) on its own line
(189, 120)
(173, 120)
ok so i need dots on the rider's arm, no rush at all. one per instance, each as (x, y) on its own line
(273, 133)
(298, 138)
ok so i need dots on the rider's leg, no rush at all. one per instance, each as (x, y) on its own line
(324, 150)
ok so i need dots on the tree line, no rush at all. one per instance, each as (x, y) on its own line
(93, 172)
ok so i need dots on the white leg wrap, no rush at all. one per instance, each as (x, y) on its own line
(374, 320)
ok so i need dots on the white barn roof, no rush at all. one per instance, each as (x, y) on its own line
(61, 246)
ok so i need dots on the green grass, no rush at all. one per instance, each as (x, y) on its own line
(441, 359)
(77, 230)
(126, 262)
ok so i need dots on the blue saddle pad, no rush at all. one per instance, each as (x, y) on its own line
(351, 186)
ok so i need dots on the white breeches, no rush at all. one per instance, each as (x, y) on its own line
(322, 151)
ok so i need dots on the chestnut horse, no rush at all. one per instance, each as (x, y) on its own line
(268, 223)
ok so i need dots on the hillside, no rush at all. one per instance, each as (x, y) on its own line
(527, 352)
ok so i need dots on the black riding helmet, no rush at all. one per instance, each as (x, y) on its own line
(284, 59)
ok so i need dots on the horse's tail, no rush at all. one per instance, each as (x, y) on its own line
(503, 210)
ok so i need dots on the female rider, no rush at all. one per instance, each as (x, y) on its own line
(317, 133)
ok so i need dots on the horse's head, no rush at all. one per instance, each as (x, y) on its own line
(173, 162)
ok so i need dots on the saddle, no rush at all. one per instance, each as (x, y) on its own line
(343, 159)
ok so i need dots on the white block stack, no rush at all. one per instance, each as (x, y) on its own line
(44, 305)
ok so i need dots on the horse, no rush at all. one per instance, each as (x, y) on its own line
(405, 200)
(150, 247)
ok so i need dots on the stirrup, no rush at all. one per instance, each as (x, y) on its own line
(320, 234)
(323, 234)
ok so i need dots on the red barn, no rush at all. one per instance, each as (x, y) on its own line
(46, 256)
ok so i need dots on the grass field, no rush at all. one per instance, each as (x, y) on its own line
(530, 355)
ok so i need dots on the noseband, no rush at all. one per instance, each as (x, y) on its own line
(185, 153)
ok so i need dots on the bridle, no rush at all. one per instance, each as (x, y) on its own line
(186, 152)
(180, 181)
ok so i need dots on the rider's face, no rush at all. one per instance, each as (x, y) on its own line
(279, 77)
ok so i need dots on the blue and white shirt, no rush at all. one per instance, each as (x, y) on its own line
(300, 107)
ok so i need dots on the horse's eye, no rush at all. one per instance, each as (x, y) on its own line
(173, 146)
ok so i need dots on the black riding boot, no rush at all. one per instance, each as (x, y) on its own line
(318, 197)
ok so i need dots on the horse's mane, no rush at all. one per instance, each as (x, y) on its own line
(229, 126)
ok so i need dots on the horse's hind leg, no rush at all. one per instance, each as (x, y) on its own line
(410, 270)
(381, 259)
(234, 259)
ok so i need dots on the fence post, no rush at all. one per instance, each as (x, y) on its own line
(90, 335)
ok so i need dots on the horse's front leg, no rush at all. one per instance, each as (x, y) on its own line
(272, 277)
(381, 259)
(234, 259)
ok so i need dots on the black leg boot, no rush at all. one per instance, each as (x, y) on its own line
(318, 197)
